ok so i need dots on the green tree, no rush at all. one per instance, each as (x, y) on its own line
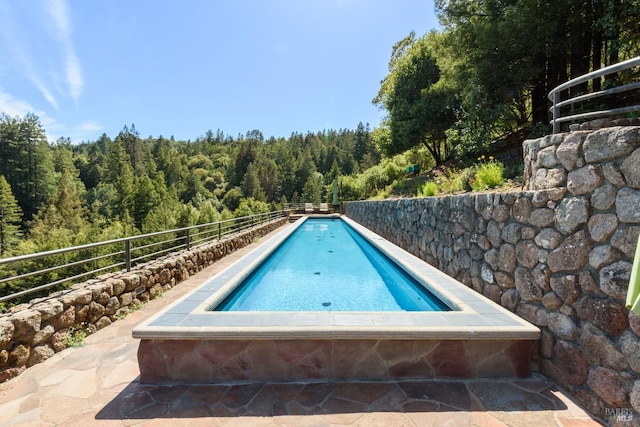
(312, 190)
(10, 218)
(420, 110)
(26, 161)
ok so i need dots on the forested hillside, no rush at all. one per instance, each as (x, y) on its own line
(57, 195)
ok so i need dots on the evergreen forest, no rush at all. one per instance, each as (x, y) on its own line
(478, 83)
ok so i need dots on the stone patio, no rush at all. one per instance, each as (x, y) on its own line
(97, 384)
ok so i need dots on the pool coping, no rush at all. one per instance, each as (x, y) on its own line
(473, 316)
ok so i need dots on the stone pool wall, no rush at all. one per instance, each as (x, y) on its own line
(559, 254)
(35, 331)
(238, 360)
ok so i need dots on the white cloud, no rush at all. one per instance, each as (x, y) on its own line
(91, 126)
(59, 13)
(85, 131)
(14, 107)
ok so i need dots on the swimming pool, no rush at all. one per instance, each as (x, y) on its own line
(326, 266)
(188, 343)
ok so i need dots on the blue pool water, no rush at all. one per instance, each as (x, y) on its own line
(325, 265)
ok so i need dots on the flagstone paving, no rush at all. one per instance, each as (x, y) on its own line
(97, 384)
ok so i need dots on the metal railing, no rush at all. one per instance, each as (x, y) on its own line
(44, 270)
(554, 95)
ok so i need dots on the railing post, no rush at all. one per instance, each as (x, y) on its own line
(219, 230)
(556, 112)
(127, 254)
(188, 240)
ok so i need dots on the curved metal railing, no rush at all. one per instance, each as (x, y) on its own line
(44, 270)
(554, 95)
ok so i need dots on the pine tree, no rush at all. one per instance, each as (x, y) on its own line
(10, 217)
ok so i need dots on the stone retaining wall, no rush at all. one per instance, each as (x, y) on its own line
(33, 332)
(558, 254)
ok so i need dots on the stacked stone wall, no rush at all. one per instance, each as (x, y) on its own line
(559, 254)
(35, 331)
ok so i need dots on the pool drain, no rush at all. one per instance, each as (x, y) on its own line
(326, 304)
(317, 273)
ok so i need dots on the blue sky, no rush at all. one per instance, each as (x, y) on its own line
(182, 67)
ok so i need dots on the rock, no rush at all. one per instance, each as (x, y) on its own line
(625, 240)
(572, 362)
(630, 346)
(504, 280)
(126, 299)
(562, 326)
(571, 214)
(48, 309)
(19, 355)
(549, 178)
(630, 168)
(602, 226)
(548, 238)
(527, 287)
(572, 254)
(527, 254)
(532, 313)
(608, 316)
(614, 279)
(568, 151)
(103, 298)
(521, 210)
(96, 311)
(604, 197)
(613, 174)
(609, 144)
(609, 385)
(584, 180)
(510, 299)
(77, 296)
(102, 322)
(59, 340)
(603, 255)
(627, 203)
(6, 333)
(43, 335)
(602, 351)
(112, 306)
(541, 217)
(634, 322)
(551, 301)
(26, 323)
(511, 233)
(547, 157)
(501, 213)
(494, 234)
(118, 286)
(40, 353)
(131, 281)
(486, 273)
(634, 397)
(507, 258)
(547, 344)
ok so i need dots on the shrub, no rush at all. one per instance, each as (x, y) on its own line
(429, 188)
(488, 175)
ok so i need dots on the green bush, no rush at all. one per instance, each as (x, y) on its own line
(429, 189)
(488, 175)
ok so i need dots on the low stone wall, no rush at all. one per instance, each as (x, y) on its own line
(33, 332)
(559, 255)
